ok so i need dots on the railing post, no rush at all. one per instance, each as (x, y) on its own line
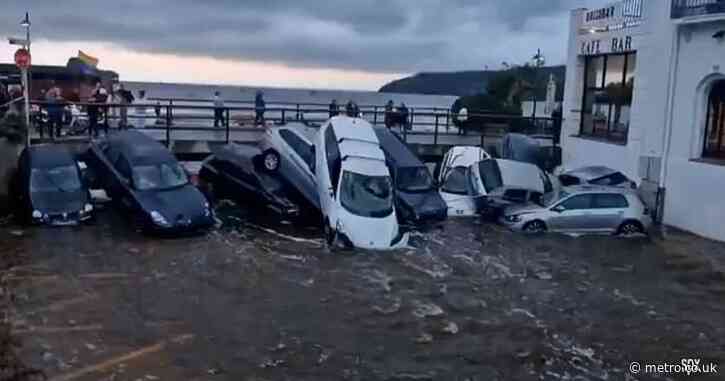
(170, 112)
(375, 115)
(412, 117)
(105, 109)
(435, 134)
(298, 112)
(448, 119)
(284, 118)
(168, 126)
(482, 140)
(228, 124)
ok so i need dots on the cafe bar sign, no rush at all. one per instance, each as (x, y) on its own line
(612, 45)
(615, 16)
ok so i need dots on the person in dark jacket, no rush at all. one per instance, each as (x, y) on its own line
(259, 107)
(55, 110)
(556, 117)
(351, 109)
(389, 117)
(404, 116)
(98, 96)
(334, 108)
(125, 98)
(218, 110)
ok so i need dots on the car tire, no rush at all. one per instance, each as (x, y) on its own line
(535, 227)
(270, 161)
(629, 228)
(329, 233)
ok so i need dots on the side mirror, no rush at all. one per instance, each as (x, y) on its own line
(558, 208)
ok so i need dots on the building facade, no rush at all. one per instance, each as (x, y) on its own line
(645, 94)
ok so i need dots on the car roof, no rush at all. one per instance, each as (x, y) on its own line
(301, 130)
(139, 148)
(465, 156)
(356, 138)
(396, 150)
(516, 174)
(49, 156)
(591, 172)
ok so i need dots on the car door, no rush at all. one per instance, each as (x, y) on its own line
(300, 151)
(608, 211)
(572, 214)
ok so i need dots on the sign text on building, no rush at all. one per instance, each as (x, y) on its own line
(613, 45)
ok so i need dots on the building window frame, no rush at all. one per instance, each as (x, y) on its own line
(609, 134)
(714, 121)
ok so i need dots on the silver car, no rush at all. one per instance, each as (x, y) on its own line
(582, 209)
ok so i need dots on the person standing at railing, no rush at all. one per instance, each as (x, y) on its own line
(55, 111)
(124, 98)
(140, 110)
(259, 107)
(404, 115)
(218, 110)
(556, 117)
(334, 108)
(389, 118)
(99, 96)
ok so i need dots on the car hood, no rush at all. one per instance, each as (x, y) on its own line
(59, 202)
(174, 204)
(523, 209)
(370, 233)
(422, 202)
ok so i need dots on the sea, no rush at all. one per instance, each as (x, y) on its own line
(276, 95)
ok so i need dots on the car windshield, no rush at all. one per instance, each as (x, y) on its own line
(490, 175)
(64, 179)
(414, 179)
(366, 196)
(611, 180)
(550, 198)
(159, 176)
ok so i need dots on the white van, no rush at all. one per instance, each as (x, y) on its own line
(356, 192)
(454, 180)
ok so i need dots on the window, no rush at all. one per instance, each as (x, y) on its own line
(302, 149)
(414, 179)
(608, 89)
(490, 175)
(332, 153)
(568, 180)
(583, 201)
(122, 166)
(610, 201)
(615, 178)
(456, 181)
(57, 179)
(715, 123)
(366, 196)
(159, 176)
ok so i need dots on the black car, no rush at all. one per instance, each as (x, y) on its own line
(250, 176)
(48, 187)
(144, 179)
(416, 196)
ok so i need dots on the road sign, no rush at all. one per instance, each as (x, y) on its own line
(22, 58)
(17, 41)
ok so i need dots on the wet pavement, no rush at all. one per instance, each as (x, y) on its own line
(268, 301)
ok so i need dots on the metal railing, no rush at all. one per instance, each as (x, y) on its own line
(688, 8)
(430, 124)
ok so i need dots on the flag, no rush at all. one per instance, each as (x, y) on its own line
(88, 60)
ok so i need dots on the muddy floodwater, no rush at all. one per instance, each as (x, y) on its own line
(265, 300)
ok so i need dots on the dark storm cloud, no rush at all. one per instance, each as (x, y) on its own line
(370, 35)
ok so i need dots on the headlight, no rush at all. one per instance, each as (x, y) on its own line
(37, 215)
(158, 219)
(339, 227)
(513, 218)
(87, 208)
(207, 209)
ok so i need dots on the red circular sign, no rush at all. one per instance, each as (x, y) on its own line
(22, 58)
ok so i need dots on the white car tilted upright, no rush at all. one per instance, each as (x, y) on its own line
(454, 179)
(355, 188)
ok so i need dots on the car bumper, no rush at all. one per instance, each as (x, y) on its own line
(516, 226)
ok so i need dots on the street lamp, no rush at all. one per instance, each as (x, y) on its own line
(25, 23)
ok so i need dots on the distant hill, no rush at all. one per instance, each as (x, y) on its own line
(464, 83)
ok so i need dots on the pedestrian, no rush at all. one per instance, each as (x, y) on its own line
(389, 117)
(54, 102)
(140, 109)
(218, 110)
(350, 109)
(98, 96)
(125, 98)
(556, 117)
(334, 108)
(404, 115)
(259, 107)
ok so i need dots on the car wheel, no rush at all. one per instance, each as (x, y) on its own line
(535, 227)
(270, 161)
(629, 228)
(329, 233)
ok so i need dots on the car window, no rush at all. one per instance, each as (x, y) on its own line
(535, 197)
(366, 196)
(611, 180)
(413, 179)
(568, 180)
(58, 179)
(490, 175)
(302, 149)
(122, 166)
(583, 201)
(610, 201)
(159, 176)
(332, 152)
(515, 195)
(456, 181)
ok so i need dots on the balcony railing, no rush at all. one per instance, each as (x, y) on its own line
(688, 8)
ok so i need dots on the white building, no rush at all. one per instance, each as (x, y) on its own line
(645, 93)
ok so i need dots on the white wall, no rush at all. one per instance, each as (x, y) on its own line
(695, 198)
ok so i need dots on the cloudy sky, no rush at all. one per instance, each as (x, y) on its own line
(315, 43)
